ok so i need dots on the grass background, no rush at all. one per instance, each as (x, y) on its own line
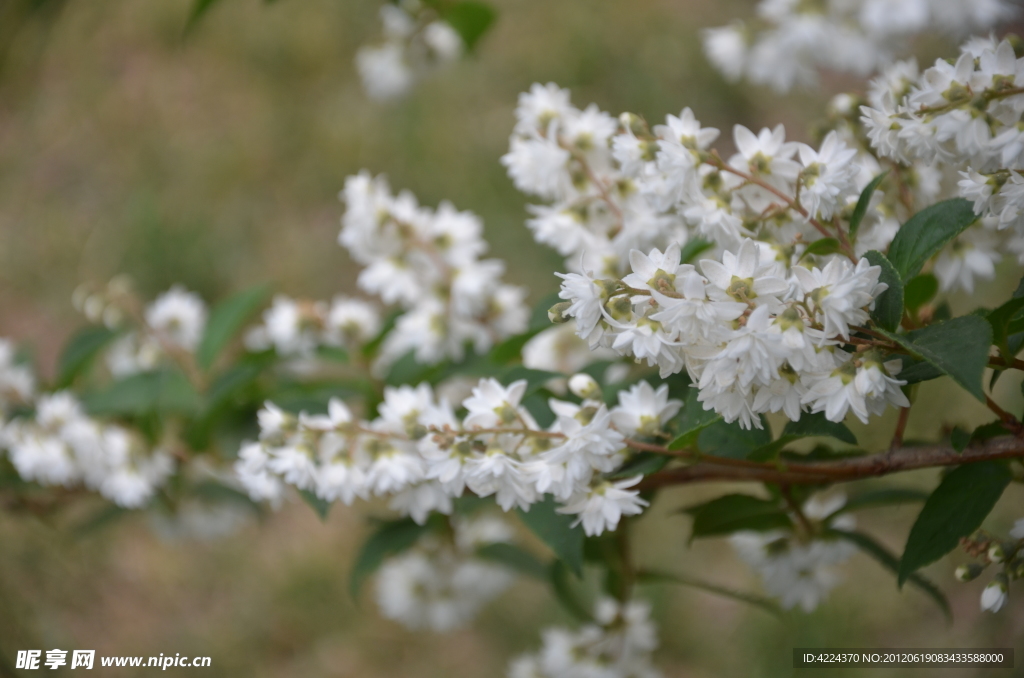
(214, 160)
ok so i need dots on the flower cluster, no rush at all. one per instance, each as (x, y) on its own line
(415, 43)
(754, 335)
(61, 445)
(965, 115)
(440, 584)
(172, 324)
(295, 328)
(428, 262)
(1008, 557)
(421, 456)
(616, 185)
(799, 569)
(789, 40)
(617, 644)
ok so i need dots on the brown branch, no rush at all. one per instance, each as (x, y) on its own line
(844, 470)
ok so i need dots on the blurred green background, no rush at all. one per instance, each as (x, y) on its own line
(214, 160)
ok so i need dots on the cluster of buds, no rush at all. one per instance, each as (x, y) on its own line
(1006, 554)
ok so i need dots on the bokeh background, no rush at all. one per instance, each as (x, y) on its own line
(214, 159)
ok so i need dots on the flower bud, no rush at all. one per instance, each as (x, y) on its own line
(585, 386)
(968, 572)
(996, 554)
(994, 596)
(556, 313)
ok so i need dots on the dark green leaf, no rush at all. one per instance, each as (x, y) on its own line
(863, 202)
(821, 247)
(809, 425)
(955, 509)
(100, 520)
(390, 538)
(735, 512)
(471, 20)
(729, 440)
(1000, 320)
(693, 249)
(655, 577)
(893, 496)
(556, 530)
(889, 305)
(198, 11)
(693, 419)
(226, 319)
(920, 290)
(892, 563)
(562, 585)
(79, 353)
(514, 558)
(958, 348)
(644, 463)
(927, 232)
(166, 391)
(959, 439)
(511, 349)
(535, 379)
(320, 506)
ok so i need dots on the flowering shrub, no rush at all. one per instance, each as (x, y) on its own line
(715, 311)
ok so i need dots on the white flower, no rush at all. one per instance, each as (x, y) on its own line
(179, 317)
(840, 293)
(601, 507)
(726, 48)
(443, 40)
(827, 178)
(384, 70)
(493, 405)
(994, 596)
(351, 322)
(537, 165)
(643, 410)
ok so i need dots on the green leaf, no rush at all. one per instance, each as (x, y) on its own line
(471, 20)
(889, 560)
(809, 425)
(920, 290)
(644, 464)
(79, 353)
(734, 512)
(556, 530)
(893, 496)
(320, 506)
(863, 202)
(821, 247)
(535, 379)
(959, 439)
(693, 249)
(561, 584)
(198, 11)
(955, 509)
(656, 577)
(889, 305)
(166, 391)
(1000, 320)
(226, 319)
(927, 232)
(514, 558)
(511, 349)
(729, 440)
(958, 348)
(390, 538)
(692, 420)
